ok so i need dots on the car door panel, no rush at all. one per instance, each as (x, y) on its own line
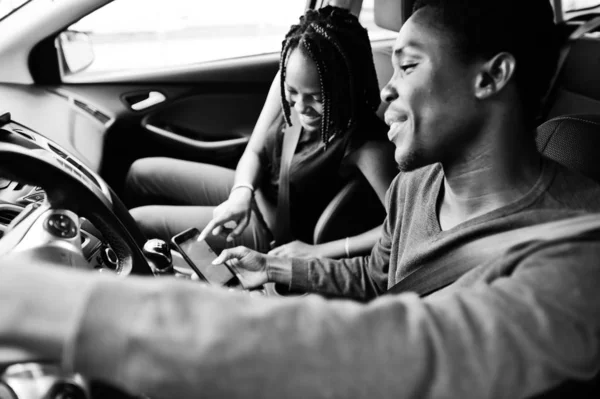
(207, 114)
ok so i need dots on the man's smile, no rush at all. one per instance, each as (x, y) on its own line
(396, 123)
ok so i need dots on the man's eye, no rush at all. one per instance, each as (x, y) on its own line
(407, 67)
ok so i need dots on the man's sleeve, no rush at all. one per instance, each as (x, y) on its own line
(360, 278)
(512, 337)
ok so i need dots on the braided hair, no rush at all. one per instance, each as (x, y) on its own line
(341, 50)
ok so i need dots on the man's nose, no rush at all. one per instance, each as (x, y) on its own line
(388, 93)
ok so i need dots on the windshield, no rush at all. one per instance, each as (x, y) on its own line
(8, 6)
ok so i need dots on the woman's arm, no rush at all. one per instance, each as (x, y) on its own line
(350, 246)
(375, 160)
(249, 170)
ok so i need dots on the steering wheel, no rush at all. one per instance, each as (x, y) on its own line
(51, 229)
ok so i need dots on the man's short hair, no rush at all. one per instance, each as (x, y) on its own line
(523, 28)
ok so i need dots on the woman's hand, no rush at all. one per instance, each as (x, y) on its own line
(249, 266)
(237, 209)
(297, 249)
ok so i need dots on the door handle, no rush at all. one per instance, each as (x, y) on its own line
(152, 98)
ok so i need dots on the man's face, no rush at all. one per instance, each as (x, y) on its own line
(433, 108)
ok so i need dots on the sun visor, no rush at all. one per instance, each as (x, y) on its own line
(391, 14)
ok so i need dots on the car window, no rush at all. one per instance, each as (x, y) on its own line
(575, 8)
(136, 35)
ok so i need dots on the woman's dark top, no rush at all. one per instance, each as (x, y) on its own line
(316, 173)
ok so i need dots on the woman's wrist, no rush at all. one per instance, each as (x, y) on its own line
(246, 186)
(334, 249)
(242, 191)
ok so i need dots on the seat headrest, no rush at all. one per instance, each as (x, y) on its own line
(384, 70)
(391, 14)
(574, 141)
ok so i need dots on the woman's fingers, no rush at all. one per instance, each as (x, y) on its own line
(214, 226)
(239, 228)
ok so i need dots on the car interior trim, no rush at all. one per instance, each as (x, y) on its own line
(196, 143)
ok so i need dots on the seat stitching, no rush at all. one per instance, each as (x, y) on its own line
(551, 135)
(563, 118)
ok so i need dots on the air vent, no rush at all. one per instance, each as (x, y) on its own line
(22, 133)
(7, 215)
(61, 153)
(103, 118)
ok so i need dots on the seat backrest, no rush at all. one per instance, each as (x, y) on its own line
(573, 141)
(578, 85)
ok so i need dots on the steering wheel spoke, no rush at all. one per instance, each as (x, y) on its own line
(49, 235)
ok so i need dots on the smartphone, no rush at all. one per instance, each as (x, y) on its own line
(199, 255)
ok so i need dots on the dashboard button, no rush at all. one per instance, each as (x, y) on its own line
(61, 226)
(35, 197)
(110, 258)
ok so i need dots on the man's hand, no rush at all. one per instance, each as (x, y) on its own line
(237, 208)
(296, 249)
(249, 266)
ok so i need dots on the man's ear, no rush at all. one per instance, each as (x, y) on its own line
(494, 75)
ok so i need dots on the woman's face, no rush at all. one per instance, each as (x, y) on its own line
(303, 90)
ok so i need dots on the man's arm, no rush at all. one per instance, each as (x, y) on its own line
(511, 337)
(360, 278)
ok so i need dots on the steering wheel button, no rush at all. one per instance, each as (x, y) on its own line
(61, 226)
(4, 182)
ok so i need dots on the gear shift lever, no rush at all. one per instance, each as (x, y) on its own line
(159, 253)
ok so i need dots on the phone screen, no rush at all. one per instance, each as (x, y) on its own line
(202, 255)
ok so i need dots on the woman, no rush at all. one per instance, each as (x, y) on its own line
(329, 94)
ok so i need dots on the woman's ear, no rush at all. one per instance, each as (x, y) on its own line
(494, 75)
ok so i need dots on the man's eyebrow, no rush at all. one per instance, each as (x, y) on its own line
(412, 44)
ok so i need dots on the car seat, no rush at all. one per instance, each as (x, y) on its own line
(356, 208)
(573, 141)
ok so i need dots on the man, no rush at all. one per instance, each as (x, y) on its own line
(517, 325)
